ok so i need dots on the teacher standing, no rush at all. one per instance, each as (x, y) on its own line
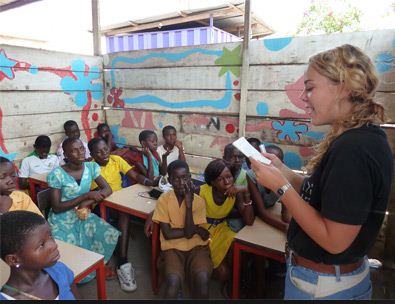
(338, 210)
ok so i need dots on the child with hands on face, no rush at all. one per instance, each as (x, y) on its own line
(219, 203)
(151, 164)
(28, 247)
(172, 149)
(184, 242)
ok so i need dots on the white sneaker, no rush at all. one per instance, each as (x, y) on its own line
(126, 277)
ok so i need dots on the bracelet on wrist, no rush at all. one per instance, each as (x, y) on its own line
(248, 203)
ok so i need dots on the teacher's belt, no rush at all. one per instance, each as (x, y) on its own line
(298, 260)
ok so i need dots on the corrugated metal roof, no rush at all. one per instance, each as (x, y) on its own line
(228, 17)
(10, 4)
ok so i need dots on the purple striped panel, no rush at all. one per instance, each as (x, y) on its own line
(222, 37)
(141, 42)
(166, 39)
(154, 41)
(111, 44)
(130, 42)
(215, 36)
(120, 44)
(177, 38)
(190, 37)
(203, 36)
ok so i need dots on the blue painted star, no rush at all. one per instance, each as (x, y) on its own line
(10, 156)
(6, 66)
(289, 129)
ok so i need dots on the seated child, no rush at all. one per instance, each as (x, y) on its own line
(103, 131)
(10, 199)
(110, 168)
(235, 159)
(220, 196)
(69, 216)
(71, 130)
(38, 162)
(264, 198)
(172, 149)
(150, 164)
(28, 247)
(184, 242)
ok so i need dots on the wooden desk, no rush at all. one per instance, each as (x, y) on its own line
(37, 180)
(260, 239)
(127, 200)
(81, 261)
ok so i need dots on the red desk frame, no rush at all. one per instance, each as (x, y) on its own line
(154, 239)
(100, 278)
(238, 247)
(32, 187)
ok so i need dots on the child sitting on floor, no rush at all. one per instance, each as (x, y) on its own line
(37, 162)
(104, 132)
(220, 196)
(71, 130)
(10, 199)
(28, 247)
(172, 149)
(184, 242)
(110, 168)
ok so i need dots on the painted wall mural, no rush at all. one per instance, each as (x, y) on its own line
(76, 80)
(230, 61)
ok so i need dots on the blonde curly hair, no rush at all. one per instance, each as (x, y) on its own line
(349, 66)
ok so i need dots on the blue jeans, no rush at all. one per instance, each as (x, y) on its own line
(305, 284)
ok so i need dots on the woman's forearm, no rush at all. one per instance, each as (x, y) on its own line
(331, 236)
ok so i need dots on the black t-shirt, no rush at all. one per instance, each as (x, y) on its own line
(351, 185)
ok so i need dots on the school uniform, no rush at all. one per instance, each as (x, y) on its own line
(183, 257)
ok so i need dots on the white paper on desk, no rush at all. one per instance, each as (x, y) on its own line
(248, 150)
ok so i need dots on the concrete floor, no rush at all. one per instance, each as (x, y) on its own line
(140, 255)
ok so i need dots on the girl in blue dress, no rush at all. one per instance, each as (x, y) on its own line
(69, 217)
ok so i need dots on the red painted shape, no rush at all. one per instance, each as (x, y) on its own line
(230, 128)
(96, 134)
(253, 127)
(95, 105)
(2, 145)
(293, 92)
(66, 72)
(306, 151)
(236, 83)
(109, 99)
(85, 116)
(138, 120)
(221, 142)
(237, 96)
(95, 116)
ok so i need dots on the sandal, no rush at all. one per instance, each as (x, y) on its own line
(109, 273)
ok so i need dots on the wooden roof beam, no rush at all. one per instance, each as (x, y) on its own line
(220, 13)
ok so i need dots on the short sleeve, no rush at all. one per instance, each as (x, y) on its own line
(199, 214)
(54, 179)
(161, 212)
(347, 188)
(24, 170)
(95, 170)
(31, 206)
(124, 167)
